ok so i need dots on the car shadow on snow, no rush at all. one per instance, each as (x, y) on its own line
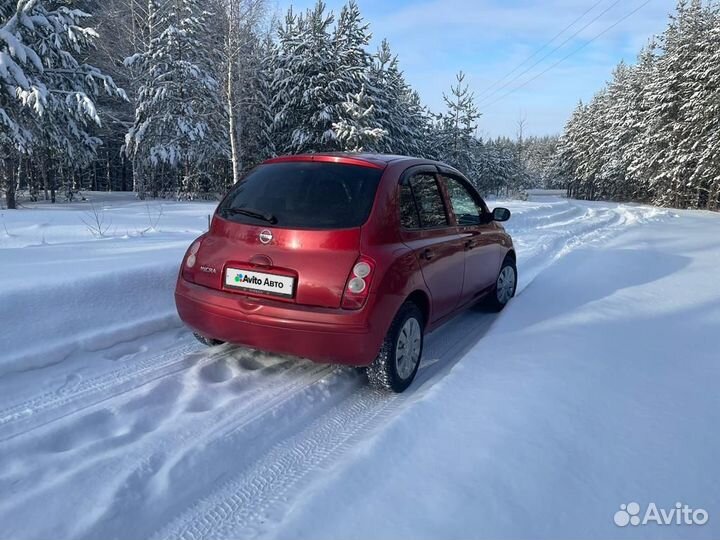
(444, 347)
(564, 287)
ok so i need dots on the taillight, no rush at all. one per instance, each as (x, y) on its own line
(358, 284)
(188, 267)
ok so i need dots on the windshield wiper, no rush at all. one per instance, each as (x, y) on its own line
(257, 214)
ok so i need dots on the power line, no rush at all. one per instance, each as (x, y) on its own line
(571, 54)
(538, 51)
(615, 3)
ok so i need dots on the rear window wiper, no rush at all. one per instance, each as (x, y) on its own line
(257, 214)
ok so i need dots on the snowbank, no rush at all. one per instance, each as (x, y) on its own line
(64, 289)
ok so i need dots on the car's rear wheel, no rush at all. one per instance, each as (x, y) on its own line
(207, 341)
(396, 364)
(505, 286)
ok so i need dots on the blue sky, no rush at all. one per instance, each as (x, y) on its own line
(488, 38)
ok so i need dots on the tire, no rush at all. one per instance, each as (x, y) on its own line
(503, 290)
(207, 341)
(388, 371)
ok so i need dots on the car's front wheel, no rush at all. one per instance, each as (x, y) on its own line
(505, 286)
(396, 364)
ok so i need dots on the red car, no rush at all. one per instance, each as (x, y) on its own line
(347, 259)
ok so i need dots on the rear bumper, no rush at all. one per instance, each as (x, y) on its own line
(319, 334)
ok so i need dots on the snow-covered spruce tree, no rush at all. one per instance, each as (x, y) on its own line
(350, 39)
(496, 166)
(358, 130)
(47, 93)
(304, 96)
(635, 125)
(668, 93)
(570, 150)
(608, 157)
(538, 159)
(321, 80)
(592, 129)
(254, 99)
(696, 123)
(180, 128)
(265, 146)
(397, 107)
(704, 115)
(454, 140)
(419, 129)
(277, 65)
(356, 127)
(592, 169)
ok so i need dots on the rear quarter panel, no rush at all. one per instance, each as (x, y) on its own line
(398, 273)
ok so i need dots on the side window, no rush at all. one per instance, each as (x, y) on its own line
(467, 210)
(428, 200)
(409, 218)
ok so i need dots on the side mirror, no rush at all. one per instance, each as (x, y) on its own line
(501, 214)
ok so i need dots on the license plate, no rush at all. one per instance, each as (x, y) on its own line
(247, 280)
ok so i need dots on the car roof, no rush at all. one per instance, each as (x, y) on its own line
(379, 161)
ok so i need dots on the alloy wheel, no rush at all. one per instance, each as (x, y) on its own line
(505, 285)
(407, 349)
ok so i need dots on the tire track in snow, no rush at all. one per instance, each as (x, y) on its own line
(542, 245)
(546, 213)
(243, 506)
(239, 508)
(141, 456)
(53, 405)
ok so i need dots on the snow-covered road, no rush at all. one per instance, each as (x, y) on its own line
(119, 426)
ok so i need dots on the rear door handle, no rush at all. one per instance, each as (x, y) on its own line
(470, 244)
(427, 254)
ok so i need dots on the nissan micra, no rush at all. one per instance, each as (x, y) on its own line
(347, 259)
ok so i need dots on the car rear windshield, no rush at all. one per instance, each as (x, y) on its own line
(304, 195)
